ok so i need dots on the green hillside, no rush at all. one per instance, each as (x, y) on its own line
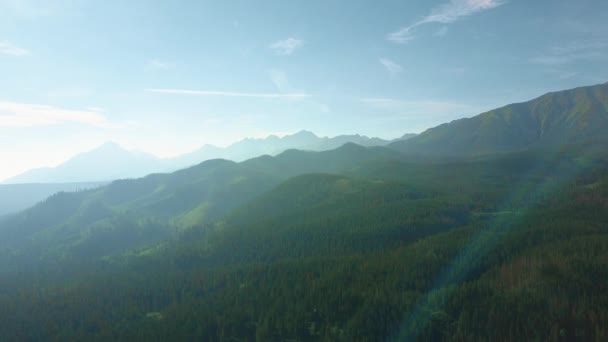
(352, 244)
(367, 258)
(130, 214)
(566, 117)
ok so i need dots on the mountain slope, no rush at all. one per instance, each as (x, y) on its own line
(508, 246)
(133, 212)
(104, 163)
(18, 197)
(486, 281)
(110, 161)
(149, 209)
(554, 119)
(273, 145)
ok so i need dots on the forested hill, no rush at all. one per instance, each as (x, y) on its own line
(558, 118)
(110, 161)
(129, 214)
(352, 244)
(392, 250)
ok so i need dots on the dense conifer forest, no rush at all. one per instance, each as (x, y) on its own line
(503, 248)
(351, 244)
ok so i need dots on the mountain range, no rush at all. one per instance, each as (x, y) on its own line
(110, 161)
(105, 163)
(469, 231)
(573, 116)
(209, 190)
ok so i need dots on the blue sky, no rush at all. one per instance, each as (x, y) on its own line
(169, 76)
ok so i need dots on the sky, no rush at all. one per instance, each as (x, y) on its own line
(167, 77)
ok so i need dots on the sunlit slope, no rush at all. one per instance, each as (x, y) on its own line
(382, 205)
(140, 211)
(103, 164)
(350, 244)
(573, 116)
(487, 280)
(151, 208)
(560, 133)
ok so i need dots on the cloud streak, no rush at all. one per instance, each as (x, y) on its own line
(156, 64)
(593, 50)
(7, 48)
(418, 107)
(392, 67)
(294, 96)
(446, 13)
(280, 80)
(14, 114)
(287, 46)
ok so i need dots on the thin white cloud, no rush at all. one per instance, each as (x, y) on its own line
(392, 67)
(280, 80)
(156, 64)
(564, 75)
(418, 115)
(590, 50)
(14, 114)
(402, 36)
(287, 46)
(457, 9)
(229, 93)
(446, 13)
(7, 48)
(419, 107)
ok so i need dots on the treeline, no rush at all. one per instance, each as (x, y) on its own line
(422, 265)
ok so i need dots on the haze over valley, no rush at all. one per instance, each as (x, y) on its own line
(315, 171)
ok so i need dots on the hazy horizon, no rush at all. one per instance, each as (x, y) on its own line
(5, 175)
(322, 170)
(166, 78)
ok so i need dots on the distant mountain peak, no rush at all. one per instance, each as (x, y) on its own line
(351, 146)
(304, 133)
(111, 160)
(408, 136)
(109, 146)
(110, 143)
(107, 161)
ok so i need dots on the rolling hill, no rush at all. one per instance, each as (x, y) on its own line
(351, 244)
(273, 145)
(152, 208)
(361, 254)
(110, 161)
(201, 195)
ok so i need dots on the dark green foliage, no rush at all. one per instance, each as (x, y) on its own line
(506, 255)
(177, 201)
(354, 244)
